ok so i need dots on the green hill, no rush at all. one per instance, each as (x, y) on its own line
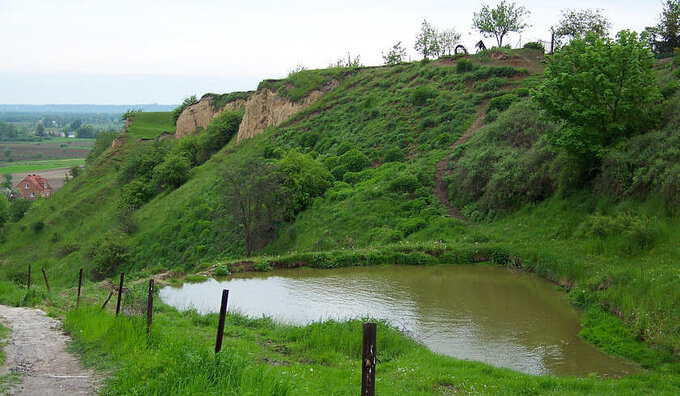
(362, 171)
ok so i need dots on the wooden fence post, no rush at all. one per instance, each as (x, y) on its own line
(368, 359)
(28, 285)
(80, 283)
(220, 324)
(149, 307)
(46, 282)
(107, 299)
(120, 292)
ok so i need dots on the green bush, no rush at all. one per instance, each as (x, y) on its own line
(535, 46)
(404, 183)
(353, 161)
(172, 172)
(421, 95)
(38, 226)
(218, 133)
(304, 179)
(464, 65)
(135, 194)
(101, 144)
(501, 103)
(106, 255)
(393, 154)
(18, 208)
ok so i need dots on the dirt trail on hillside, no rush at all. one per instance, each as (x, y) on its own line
(36, 350)
(440, 171)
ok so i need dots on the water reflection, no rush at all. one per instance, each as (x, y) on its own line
(481, 313)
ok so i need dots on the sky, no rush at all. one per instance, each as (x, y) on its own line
(149, 51)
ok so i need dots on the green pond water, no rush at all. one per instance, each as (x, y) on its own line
(484, 313)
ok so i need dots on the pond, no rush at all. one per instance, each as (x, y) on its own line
(485, 313)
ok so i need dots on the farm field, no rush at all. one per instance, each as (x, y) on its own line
(34, 166)
(56, 149)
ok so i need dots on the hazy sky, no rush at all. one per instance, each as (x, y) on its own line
(148, 51)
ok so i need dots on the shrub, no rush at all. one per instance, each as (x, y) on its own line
(421, 95)
(38, 226)
(218, 133)
(172, 172)
(535, 46)
(353, 160)
(404, 183)
(464, 65)
(106, 255)
(18, 208)
(393, 154)
(304, 178)
(501, 103)
(136, 193)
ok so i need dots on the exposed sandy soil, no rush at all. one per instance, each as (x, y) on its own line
(36, 350)
(54, 176)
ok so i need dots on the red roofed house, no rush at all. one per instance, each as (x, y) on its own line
(34, 186)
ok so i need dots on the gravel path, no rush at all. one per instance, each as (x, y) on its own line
(36, 350)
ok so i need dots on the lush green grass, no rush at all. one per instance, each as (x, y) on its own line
(261, 357)
(617, 258)
(28, 166)
(149, 125)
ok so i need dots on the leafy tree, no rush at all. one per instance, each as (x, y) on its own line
(666, 35)
(40, 129)
(188, 101)
(577, 23)
(7, 181)
(448, 39)
(130, 113)
(499, 21)
(304, 179)
(396, 55)
(253, 201)
(427, 42)
(86, 131)
(604, 90)
(73, 126)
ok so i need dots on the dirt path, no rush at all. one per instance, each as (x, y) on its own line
(440, 190)
(36, 350)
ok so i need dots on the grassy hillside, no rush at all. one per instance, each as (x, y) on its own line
(375, 142)
(148, 125)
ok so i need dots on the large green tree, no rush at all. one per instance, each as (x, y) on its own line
(577, 23)
(501, 20)
(666, 35)
(603, 90)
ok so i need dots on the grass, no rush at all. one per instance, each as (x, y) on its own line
(149, 125)
(401, 119)
(262, 357)
(28, 166)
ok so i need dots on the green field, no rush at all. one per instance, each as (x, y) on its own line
(150, 125)
(28, 166)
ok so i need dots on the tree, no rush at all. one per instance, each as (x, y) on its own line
(396, 55)
(448, 39)
(666, 35)
(7, 181)
(603, 90)
(253, 200)
(86, 131)
(499, 21)
(427, 42)
(577, 23)
(40, 129)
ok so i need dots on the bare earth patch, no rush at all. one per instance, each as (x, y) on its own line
(36, 350)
